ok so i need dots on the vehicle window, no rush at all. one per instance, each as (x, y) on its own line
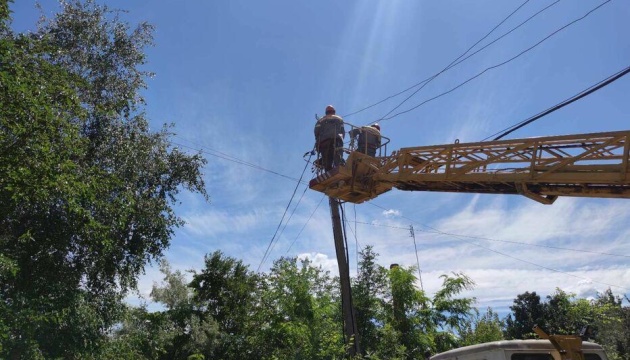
(533, 356)
(591, 356)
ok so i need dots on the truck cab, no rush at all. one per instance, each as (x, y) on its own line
(519, 350)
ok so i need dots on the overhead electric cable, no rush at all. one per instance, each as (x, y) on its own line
(356, 240)
(510, 256)
(497, 65)
(282, 219)
(307, 221)
(505, 34)
(231, 158)
(358, 244)
(564, 103)
(545, 267)
(204, 150)
(452, 62)
(413, 235)
(458, 62)
(290, 217)
(221, 154)
(437, 232)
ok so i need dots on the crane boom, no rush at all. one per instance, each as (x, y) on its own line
(542, 168)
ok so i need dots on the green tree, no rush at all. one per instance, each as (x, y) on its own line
(427, 324)
(367, 290)
(87, 189)
(399, 321)
(527, 311)
(190, 332)
(482, 328)
(605, 318)
(611, 326)
(449, 312)
(558, 314)
(407, 307)
(224, 293)
(299, 313)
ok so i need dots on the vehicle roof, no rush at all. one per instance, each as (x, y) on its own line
(532, 344)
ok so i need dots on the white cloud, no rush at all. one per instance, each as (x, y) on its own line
(322, 260)
(391, 213)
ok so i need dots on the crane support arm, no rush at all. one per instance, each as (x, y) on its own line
(542, 168)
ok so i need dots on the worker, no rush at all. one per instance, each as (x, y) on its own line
(329, 135)
(369, 139)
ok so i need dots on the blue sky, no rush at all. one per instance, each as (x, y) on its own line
(244, 79)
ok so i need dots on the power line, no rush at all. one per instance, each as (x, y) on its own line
(452, 62)
(290, 217)
(222, 155)
(413, 235)
(545, 267)
(564, 103)
(356, 239)
(238, 161)
(458, 62)
(307, 221)
(505, 34)
(438, 232)
(215, 153)
(509, 256)
(497, 65)
(282, 219)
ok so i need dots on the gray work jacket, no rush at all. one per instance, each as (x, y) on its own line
(329, 127)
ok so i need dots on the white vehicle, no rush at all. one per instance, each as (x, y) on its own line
(521, 350)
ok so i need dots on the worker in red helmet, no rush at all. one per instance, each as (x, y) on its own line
(329, 135)
(369, 139)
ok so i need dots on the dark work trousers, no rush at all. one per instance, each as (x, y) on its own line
(330, 152)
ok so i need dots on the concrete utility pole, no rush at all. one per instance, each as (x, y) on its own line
(349, 324)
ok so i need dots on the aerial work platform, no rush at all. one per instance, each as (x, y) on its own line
(541, 168)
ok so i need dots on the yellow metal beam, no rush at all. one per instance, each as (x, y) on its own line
(584, 165)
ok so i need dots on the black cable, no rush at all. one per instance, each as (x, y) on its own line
(497, 65)
(356, 240)
(282, 219)
(358, 244)
(458, 62)
(345, 240)
(504, 35)
(207, 151)
(544, 267)
(566, 102)
(452, 62)
(437, 232)
(501, 253)
(291, 216)
(413, 235)
(307, 221)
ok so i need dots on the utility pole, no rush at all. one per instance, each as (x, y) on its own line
(413, 235)
(349, 324)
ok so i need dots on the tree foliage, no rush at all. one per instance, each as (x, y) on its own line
(482, 328)
(299, 315)
(87, 189)
(603, 320)
(398, 320)
(527, 311)
(224, 293)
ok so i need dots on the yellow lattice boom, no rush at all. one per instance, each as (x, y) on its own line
(543, 168)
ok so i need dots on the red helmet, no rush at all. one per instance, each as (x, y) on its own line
(377, 126)
(330, 110)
